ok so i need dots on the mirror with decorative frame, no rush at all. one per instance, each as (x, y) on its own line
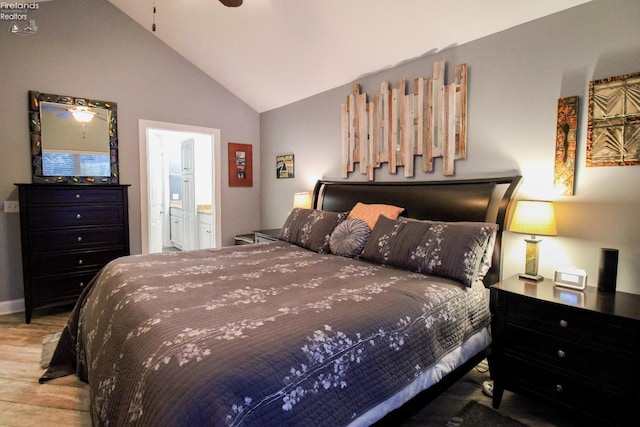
(73, 140)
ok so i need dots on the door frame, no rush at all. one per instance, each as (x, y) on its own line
(216, 173)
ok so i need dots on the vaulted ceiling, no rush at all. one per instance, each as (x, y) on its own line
(270, 53)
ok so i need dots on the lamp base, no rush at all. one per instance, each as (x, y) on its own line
(531, 277)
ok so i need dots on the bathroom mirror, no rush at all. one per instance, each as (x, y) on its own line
(73, 140)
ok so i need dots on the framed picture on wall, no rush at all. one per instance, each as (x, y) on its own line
(566, 145)
(613, 131)
(285, 166)
(240, 165)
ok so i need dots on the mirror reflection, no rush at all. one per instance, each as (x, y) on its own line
(74, 140)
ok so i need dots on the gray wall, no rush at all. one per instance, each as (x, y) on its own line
(515, 80)
(88, 48)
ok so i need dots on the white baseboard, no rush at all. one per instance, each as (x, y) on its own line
(12, 306)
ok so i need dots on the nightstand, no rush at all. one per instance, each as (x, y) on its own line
(267, 235)
(245, 239)
(577, 349)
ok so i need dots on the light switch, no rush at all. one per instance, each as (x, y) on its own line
(11, 206)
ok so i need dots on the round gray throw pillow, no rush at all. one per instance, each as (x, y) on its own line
(349, 237)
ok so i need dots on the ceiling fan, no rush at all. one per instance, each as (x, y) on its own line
(81, 113)
(231, 3)
(228, 3)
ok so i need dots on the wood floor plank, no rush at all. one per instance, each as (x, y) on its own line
(17, 352)
(20, 370)
(25, 415)
(48, 395)
(4, 406)
(23, 401)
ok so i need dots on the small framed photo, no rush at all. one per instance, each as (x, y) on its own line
(240, 165)
(285, 166)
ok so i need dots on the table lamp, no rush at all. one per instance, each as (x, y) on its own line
(533, 217)
(302, 200)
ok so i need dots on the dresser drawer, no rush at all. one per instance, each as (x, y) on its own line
(43, 217)
(584, 396)
(56, 288)
(71, 196)
(563, 322)
(47, 263)
(573, 358)
(76, 239)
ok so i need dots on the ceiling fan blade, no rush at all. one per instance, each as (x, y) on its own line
(231, 3)
(52, 107)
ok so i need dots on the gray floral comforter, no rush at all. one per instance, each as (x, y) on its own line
(257, 335)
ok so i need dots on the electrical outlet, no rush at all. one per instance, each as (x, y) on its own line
(11, 206)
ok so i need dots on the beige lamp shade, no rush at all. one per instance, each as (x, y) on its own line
(534, 217)
(302, 200)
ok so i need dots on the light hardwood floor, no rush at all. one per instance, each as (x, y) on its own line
(65, 401)
(23, 401)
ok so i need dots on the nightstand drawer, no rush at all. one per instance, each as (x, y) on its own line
(581, 395)
(267, 236)
(563, 322)
(570, 357)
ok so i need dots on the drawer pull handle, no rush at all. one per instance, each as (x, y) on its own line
(563, 323)
(82, 284)
(77, 196)
(561, 354)
(79, 239)
(80, 262)
(78, 216)
(559, 388)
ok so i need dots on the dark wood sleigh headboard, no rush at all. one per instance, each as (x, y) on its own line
(482, 199)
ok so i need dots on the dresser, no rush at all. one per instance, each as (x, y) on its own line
(68, 232)
(577, 349)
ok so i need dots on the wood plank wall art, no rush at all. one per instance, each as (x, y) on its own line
(566, 142)
(396, 125)
(613, 131)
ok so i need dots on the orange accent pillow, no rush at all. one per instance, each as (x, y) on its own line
(370, 213)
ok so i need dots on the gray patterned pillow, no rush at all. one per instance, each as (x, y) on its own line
(446, 249)
(311, 228)
(349, 237)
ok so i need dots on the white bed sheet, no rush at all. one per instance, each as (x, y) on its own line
(452, 360)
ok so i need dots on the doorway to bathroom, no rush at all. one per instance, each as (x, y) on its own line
(179, 186)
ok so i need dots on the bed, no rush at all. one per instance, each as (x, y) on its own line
(344, 321)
